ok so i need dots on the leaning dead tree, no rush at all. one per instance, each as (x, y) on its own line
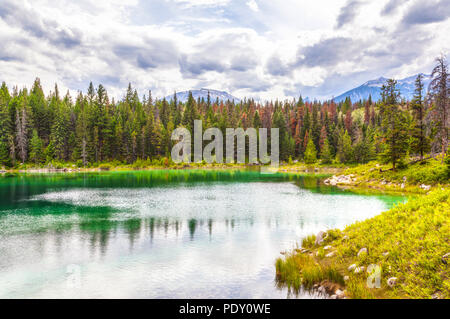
(439, 92)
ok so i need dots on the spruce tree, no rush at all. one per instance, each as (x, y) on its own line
(310, 153)
(420, 144)
(394, 125)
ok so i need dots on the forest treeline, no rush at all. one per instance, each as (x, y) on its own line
(92, 128)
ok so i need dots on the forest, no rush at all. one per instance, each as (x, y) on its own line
(92, 128)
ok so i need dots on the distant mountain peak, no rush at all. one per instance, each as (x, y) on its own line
(203, 93)
(373, 88)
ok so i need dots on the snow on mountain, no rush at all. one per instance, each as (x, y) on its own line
(203, 93)
(373, 88)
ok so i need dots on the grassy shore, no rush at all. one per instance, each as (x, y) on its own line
(410, 243)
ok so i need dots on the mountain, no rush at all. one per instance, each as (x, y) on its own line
(373, 88)
(203, 93)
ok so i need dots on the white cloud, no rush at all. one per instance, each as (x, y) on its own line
(165, 45)
(253, 5)
(195, 3)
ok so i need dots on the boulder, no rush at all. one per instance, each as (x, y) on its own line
(445, 258)
(320, 238)
(362, 251)
(340, 294)
(391, 282)
(359, 269)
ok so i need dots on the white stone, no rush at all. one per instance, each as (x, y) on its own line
(362, 251)
(392, 281)
(352, 267)
(359, 269)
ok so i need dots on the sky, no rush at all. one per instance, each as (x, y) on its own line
(262, 49)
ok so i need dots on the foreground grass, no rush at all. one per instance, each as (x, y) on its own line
(408, 243)
(430, 172)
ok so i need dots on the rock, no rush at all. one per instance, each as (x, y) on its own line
(362, 251)
(359, 269)
(445, 258)
(329, 255)
(327, 247)
(345, 237)
(334, 297)
(320, 238)
(402, 186)
(340, 294)
(321, 290)
(425, 187)
(385, 254)
(346, 278)
(391, 282)
(436, 295)
(352, 267)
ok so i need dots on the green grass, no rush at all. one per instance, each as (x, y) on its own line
(431, 172)
(416, 235)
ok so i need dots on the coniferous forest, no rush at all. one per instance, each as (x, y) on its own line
(92, 128)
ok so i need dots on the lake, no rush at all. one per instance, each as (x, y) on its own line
(161, 233)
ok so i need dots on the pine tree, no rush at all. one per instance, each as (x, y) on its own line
(190, 113)
(310, 153)
(344, 148)
(21, 134)
(36, 148)
(394, 125)
(325, 153)
(421, 142)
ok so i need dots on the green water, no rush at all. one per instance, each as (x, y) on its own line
(162, 234)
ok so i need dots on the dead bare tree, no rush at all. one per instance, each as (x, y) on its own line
(439, 91)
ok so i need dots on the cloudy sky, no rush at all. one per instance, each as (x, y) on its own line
(255, 48)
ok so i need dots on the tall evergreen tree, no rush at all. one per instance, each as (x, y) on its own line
(394, 124)
(420, 143)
